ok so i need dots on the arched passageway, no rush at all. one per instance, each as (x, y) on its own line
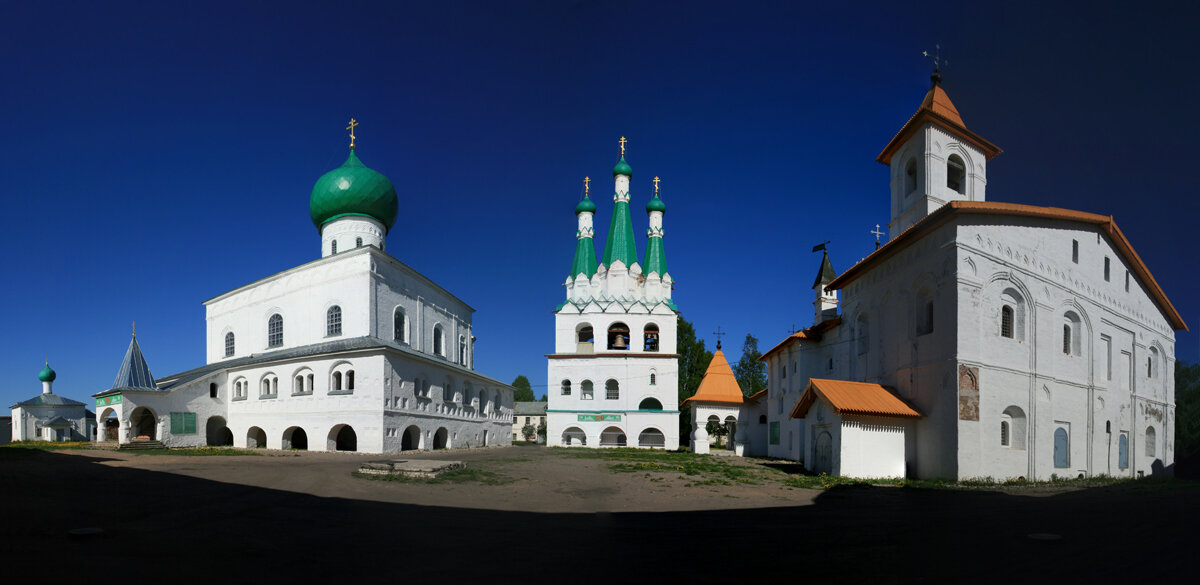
(295, 438)
(441, 439)
(256, 438)
(612, 437)
(574, 436)
(652, 438)
(411, 441)
(216, 433)
(144, 423)
(109, 426)
(342, 438)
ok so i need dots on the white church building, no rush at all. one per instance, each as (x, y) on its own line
(353, 351)
(50, 417)
(982, 340)
(613, 378)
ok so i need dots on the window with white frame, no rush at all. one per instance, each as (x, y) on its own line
(612, 390)
(398, 325)
(566, 387)
(275, 330)
(585, 390)
(229, 347)
(333, 321)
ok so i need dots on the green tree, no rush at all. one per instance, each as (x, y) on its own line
(751, 374)
(541, 430)
(718, 430)
(528, 432)
(693, 361)
(524, 390)
(1187, 413)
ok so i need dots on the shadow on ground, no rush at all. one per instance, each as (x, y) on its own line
(165, 524)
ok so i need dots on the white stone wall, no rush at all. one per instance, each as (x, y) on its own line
(26, 418)
(425, 307)
(871, 447)
(352, 232)
(930, 147)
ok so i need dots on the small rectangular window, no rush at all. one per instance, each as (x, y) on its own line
(1126, 281)
(1075, 251)
(773, 432)
(1107, 342)
(1107, 266)
(212, 390)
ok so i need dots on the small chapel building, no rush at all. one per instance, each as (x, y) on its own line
(720, 403)
(613, 378)
(50, 417)
(983, 339)
(353, 351)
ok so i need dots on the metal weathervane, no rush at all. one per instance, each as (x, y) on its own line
(877, 234)
(936, 57)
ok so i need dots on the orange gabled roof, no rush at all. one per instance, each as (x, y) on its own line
(948, 211)
(937, 108)
(858, 398)
(756, 396)
(719, 383)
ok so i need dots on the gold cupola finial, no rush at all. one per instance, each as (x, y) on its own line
(134, 327)
(656, 180)
(585, 186)
(351, 127)
(622, 141)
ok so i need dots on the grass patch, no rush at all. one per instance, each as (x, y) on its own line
(47, 445)
(460, 475)
(198, 452)
(697, 470)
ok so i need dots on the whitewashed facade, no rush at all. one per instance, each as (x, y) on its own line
(1033, 340)
(613, 378)
(353, 351)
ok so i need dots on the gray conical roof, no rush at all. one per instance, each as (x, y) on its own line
(826, 274)
(134, 373)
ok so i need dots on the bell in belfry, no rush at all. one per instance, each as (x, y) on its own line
(619, 342)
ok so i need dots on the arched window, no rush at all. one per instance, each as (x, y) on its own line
(275, 331)
(653, 379)
(618, 336)
(398, 329)
(956, 174)
(1152, 363)
(298, 384)
(1013, 428)
(350, 379)
(438, 342)
(1006, 321)
(762, 419)
(585, 390)
(337, 381)
(924, 311)
(357, 242)
(308, 383)
(1123, 451)
(1151, 438)
(566, 387)
(910, 176)
(584, 338)
(650, 404)
(612, 390)
(229, 344)
(333, 321)
(1071, 333)
(650, 335)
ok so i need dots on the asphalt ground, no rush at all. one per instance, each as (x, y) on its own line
(561, 519)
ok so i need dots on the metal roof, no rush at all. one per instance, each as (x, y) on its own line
(48, 400)
(134, 373)
(536, 408)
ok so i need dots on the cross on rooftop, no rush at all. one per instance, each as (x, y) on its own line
(719, 334)
(622, 141)
(877, 234)
(656, 180)
(936, 57)
(585, 185)
(351, 127)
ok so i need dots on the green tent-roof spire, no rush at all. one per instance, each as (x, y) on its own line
(826, 274)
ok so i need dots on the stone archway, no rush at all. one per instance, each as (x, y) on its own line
(144, 423)
(295, 438)
(441, 439)
(217, 433)
(109, 426)
(411, 441)
(256, 438)
(342, 438)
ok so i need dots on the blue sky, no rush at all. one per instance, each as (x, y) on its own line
(156, 155)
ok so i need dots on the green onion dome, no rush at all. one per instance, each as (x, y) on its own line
(585, 205)
(353, 189)
(47, 375)
(656, 204)
(622, 168)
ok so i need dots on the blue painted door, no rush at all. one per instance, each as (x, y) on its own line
(1123, 451)
(1061, 448)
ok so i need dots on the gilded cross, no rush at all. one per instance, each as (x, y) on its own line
(351, 127)
(585, 185)
(622, 141)
(877, 234)
(656, 180)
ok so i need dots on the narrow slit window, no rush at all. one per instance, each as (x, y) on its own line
(1006, 322)
(1107, 269)
(1075, 251)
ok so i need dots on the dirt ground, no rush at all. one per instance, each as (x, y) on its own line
(560, 517)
